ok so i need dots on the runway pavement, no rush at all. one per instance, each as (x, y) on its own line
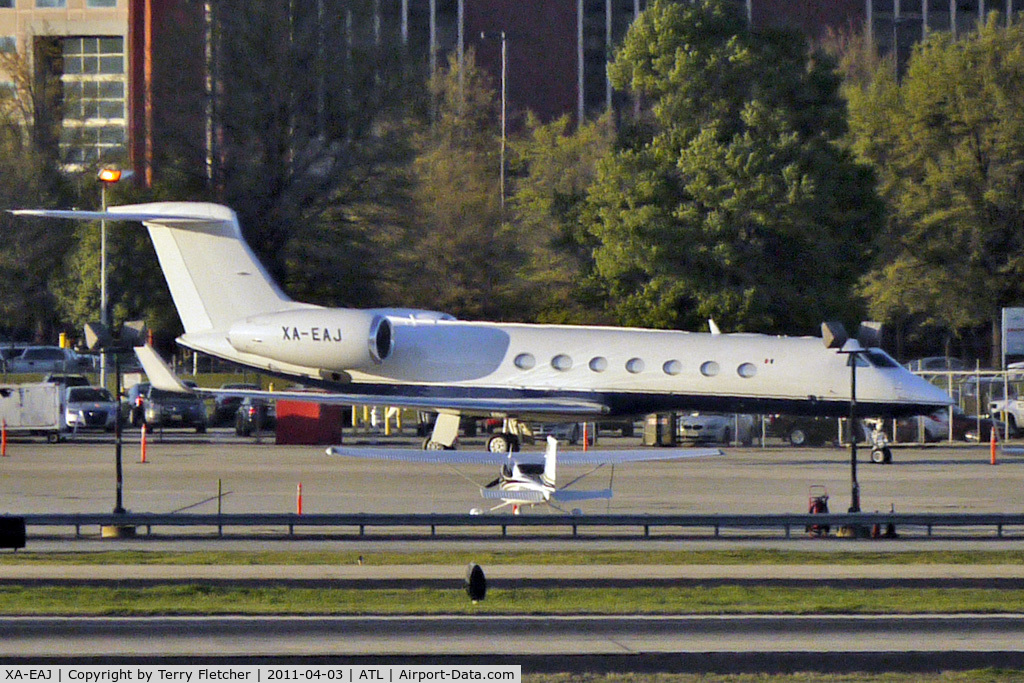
(539, 643)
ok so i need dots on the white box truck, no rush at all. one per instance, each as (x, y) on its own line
(33, 409)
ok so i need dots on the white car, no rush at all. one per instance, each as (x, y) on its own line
(716, 428)
(48, 359)
(89, 408)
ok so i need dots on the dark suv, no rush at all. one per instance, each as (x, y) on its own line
(167, 408)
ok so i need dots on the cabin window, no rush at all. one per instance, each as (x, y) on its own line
(710, 368)
(672, 367)
(561, 362)
(746, 370)
(634, 366)
(598, 364)
(525, 361)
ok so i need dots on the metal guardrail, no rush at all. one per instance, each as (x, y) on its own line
(385, 524)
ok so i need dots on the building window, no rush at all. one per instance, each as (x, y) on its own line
(95, 99)
(9, 4)
(101, 3)
(51, 4)
(8, 44)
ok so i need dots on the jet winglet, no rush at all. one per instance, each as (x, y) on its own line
(159, 373)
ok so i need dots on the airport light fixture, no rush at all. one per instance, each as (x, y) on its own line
(106, 176)
(835, 337)
(100, 339)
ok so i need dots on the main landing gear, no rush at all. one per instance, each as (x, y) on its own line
(503, 442)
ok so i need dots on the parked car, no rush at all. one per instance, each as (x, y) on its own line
(135, 397)
(626, 426)
(924, 428)
(48, 359)
(716, 428)
(571, 432)
(89, 408)
(170, 409)
(255, 414)
(67, 380)
(936, 364)
(225, 407)
(9, 351)
(804, 431)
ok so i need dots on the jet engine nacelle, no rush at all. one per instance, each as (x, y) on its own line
(336, 339)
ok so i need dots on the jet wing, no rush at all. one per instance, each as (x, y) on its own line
(453, 404)
(162, 377)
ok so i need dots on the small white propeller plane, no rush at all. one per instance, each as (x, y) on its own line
(231, 309)
(526, 479)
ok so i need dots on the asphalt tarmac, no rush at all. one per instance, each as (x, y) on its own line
(184, 472)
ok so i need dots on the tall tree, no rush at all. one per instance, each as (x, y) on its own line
(948, 143)
(460, 253)
(554, 168)
(32, 251)
(729, 197)
(309, 117)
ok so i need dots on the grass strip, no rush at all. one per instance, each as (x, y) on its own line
(725, 557)
(207, 599)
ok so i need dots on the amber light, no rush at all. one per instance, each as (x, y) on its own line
(109, 175)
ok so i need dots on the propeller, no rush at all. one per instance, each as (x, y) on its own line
(493, 483)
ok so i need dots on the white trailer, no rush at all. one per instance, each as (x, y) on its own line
(32, 409)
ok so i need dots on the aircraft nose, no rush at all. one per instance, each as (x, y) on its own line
(920, 391)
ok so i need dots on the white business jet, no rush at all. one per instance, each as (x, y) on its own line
(231, 309)
(526, 479)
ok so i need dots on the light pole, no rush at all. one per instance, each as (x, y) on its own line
(99, 339)
(484, 35)
(106, 176)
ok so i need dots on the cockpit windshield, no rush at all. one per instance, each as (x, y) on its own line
(875, 358)
(531, 468)
(880, 359)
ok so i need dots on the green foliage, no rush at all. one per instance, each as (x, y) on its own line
(948, 143)
(458, 255)
(31, 251)
(200, 598)
(555, 168)
(729, 198)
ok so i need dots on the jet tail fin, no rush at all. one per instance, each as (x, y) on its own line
(214, 277)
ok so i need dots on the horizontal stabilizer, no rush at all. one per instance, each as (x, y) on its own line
(571, 495)
(522, 496)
